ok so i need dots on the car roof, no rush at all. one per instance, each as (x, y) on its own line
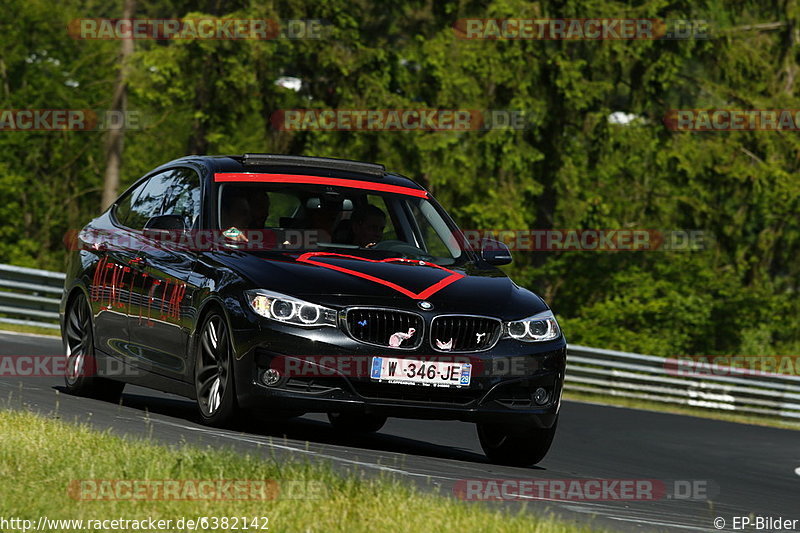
(283, 164)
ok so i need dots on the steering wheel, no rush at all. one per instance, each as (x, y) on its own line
(404, 248)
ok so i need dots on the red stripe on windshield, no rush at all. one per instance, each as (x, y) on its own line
(316, 180)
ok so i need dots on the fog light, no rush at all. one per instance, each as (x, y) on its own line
(270, 377)
(541, 396)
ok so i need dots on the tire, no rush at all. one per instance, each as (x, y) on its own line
(515, 445)
(213, 373)
(356, 423)
(81, 376)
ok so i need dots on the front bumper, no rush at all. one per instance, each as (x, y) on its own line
(501, 390)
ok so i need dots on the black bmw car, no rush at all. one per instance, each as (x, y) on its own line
(297, 284)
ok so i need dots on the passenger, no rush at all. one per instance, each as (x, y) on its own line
(368, 224)
(259, 209)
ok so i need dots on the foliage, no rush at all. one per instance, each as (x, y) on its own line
(570, 168)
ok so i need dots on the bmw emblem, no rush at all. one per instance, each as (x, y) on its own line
(425, 305)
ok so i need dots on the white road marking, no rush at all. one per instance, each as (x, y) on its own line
(266, 442)
(611, 510)
(17, 386)
(655, 523)
(797, 470)
(54, 336)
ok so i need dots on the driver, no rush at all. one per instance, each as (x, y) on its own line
(235, 214)
(368, 224)
(235, 210)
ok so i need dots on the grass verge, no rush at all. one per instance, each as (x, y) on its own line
(41, 457)
(36, 330)
(647, 405)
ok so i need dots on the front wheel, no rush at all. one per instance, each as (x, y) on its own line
(515, 445)
(81, 373)
(356, 423)
(213, 374)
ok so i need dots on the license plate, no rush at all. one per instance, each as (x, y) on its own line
(416, 372)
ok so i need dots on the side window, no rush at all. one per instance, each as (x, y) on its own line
(123, 206)
(149, 201)
(173, 192)
(183, 196)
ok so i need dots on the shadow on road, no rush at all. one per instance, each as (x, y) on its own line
(299, 429)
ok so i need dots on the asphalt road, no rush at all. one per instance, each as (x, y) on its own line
(746, 470)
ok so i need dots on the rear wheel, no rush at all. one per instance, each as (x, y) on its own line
(81, 373)
(213, 375)
(515, 445)
(356, 423)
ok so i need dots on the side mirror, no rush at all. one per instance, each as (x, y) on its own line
(495, 252)
(162, 225)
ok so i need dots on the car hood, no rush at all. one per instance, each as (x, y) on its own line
(339, 279)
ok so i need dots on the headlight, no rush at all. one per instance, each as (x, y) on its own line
(538, 328)
(288, 310)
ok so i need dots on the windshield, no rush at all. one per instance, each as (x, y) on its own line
(307, 217)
